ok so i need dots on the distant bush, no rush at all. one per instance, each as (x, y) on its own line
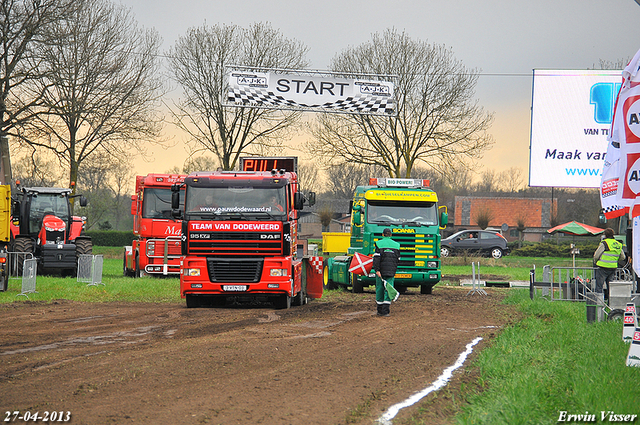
(110, 237)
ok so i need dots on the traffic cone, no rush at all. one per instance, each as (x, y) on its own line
(629, 326)
(633, 359)
(393, 293)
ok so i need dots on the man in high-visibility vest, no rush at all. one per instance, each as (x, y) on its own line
(606, 259)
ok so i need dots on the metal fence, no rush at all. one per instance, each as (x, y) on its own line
(29, 273)
(90, 269)
(571, 283)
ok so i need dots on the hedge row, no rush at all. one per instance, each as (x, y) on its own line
(110, 237)
(544, 249)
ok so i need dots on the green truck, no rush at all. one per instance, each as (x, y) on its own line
(410, 209)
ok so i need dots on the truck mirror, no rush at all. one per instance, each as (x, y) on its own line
(134, 204)
(356, 207)
(298, 200)
(444, 219)
(175, 200)
(15, 210)
(357, 217)
(311, 199)
(83, 201)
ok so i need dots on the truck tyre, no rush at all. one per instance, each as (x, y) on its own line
(426, 289)
(125, 271)
(356, 285)
(22, 246)
(282, 302)
(327, 283)
(301, 297)
(193, 301)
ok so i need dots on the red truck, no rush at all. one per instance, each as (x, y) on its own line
(239, 238)
(156, 249)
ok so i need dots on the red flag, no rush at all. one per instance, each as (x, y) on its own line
(360, 264)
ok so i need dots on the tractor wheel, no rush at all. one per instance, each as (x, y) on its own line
(22, 246)
(84, 247)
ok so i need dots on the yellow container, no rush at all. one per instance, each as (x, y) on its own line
(5, 212)
(335, 242)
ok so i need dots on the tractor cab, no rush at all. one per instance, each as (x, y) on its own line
(42, 224)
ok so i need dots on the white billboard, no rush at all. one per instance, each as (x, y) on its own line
(311, 91)
(571, 116)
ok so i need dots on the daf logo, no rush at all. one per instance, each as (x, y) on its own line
(267, 236)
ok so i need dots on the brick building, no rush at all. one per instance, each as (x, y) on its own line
(536, 213)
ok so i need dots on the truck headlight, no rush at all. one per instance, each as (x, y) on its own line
(191, 272)
(278, 272)
(432, 264)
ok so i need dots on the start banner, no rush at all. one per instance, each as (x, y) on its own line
(323, 92)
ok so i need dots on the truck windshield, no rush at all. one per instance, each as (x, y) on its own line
(47, 203)
(156, 202)
(409, 213)
(254, 201)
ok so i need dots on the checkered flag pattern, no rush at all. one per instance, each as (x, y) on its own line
(316, 263)
(255, 96)
(610, 209)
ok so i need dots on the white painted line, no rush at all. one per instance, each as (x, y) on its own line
(442, 380)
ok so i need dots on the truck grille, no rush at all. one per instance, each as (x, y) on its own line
(238, 243)
(234, 270)
(414, 247)
(157, 248)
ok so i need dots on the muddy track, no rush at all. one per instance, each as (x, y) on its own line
(322, 363)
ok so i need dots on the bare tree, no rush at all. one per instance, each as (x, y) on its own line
(342, 179)
(105, 180)
(437, 122)
(199, 61)
(24, 24)
(511, 180)
(308, 175)
(102, 87)
(36, 170)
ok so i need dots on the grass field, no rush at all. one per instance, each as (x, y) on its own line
(548, 362)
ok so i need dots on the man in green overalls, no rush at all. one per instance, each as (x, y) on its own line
(385, 263)
(606, 259)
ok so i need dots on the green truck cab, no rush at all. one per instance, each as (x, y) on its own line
(410, 209)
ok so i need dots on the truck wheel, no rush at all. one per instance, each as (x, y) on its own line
(326, 279)
(356, 284)
(282, 302)
(300, 298)
(125, 271)
(3, 279)
(426, 290)
(193, 301)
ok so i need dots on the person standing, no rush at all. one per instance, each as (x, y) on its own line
(385, 263)
(606, 259)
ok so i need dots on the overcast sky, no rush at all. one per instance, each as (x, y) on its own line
(504, 39)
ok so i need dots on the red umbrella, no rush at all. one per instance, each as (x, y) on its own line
(577, 229)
